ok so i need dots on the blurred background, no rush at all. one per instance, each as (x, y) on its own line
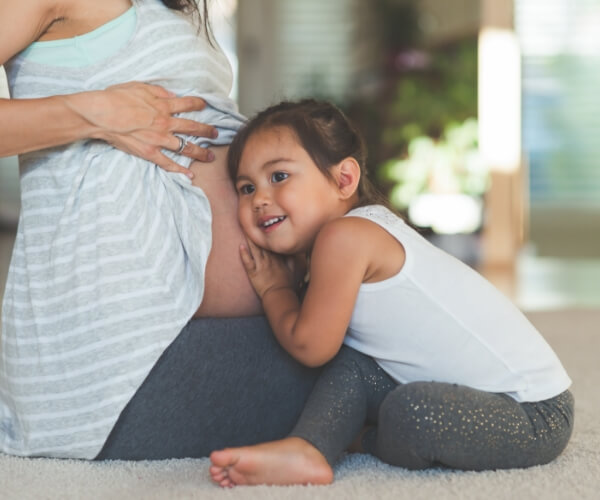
(481, 118)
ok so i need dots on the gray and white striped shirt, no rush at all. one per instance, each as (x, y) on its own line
(109, 259)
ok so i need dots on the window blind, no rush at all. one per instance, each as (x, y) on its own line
(314, 56)
(560, 43)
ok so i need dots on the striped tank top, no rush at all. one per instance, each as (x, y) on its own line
(110, 253)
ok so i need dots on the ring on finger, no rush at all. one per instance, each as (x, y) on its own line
(182, 144)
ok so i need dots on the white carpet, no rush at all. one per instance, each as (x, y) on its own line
(575, 335)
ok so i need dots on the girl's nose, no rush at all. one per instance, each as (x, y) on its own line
(260, 199)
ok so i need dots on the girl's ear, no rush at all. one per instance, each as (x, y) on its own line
(347, 176)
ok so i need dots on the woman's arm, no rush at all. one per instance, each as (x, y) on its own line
(313, 331)
(134, 117)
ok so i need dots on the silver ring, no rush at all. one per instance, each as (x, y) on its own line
(182, 144)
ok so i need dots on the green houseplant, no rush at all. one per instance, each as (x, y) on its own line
(440, 183)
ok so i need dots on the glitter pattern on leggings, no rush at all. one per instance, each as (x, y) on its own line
(427, 424)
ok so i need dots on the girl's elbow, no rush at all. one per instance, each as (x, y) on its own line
(314, 359)
(313, 363)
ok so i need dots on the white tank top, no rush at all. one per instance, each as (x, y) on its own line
(439, 320)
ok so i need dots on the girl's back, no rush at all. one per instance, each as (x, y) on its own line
(438, 319)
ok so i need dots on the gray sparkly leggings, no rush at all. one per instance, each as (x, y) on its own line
(427, 424)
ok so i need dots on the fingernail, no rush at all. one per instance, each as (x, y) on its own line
(190, 175)
(215, 133)
(210, 156)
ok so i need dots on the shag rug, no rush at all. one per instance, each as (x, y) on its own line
(575, 335)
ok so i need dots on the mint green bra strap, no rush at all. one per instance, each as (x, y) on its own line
(86, 49)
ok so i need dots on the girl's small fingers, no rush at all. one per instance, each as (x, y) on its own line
(255, 250)
(247, 258)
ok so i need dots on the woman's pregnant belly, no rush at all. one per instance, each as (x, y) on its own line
(228, 291)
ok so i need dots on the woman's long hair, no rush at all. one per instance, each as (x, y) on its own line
(192, 8)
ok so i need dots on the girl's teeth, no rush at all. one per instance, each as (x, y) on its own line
(272, 221)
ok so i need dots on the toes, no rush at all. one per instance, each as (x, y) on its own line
(223, 458)
(216, 469)
(218, 474)
(219, 477)
(227, 483)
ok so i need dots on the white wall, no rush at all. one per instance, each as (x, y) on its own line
(9, 177)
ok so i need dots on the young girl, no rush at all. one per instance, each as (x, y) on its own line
(449, 371)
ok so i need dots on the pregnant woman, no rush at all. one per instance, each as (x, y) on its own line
(129, 327)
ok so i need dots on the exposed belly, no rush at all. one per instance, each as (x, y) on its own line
(228, 291)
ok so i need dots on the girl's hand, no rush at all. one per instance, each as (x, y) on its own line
(267, 270)
(138, 118)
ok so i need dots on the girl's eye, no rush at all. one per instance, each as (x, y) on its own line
(246, 189)
(278, 176)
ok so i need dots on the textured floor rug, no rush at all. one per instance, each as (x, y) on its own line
(575, 335)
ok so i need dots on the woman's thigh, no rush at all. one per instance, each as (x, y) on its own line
(222, 382)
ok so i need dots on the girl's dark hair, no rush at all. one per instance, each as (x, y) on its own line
(322, 130)
(192, 8)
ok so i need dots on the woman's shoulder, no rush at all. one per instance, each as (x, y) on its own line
(23, 22)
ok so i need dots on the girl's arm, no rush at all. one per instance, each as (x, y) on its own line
(313, 331)
(134, 117)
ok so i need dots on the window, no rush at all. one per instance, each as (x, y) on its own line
(292, 49)
(560, 43)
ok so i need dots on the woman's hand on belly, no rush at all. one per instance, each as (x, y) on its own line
(138, 118)
(227, 291)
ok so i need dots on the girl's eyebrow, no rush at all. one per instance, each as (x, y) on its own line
(241, 178)
(275, 161)
(265, 165)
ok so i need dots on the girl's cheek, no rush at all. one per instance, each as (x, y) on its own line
(245, 216)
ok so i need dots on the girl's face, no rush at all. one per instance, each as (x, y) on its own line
(284, 199)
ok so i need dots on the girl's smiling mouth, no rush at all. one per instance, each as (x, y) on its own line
(269, 223)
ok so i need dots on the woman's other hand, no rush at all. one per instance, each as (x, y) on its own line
(138, 118)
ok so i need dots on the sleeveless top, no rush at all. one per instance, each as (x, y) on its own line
(109, 259)
(86, 49)
(439, 320)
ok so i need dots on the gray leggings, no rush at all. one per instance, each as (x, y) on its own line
(222, 382)
(426, 424)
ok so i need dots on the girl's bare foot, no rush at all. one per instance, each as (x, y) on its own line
(288, 461)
